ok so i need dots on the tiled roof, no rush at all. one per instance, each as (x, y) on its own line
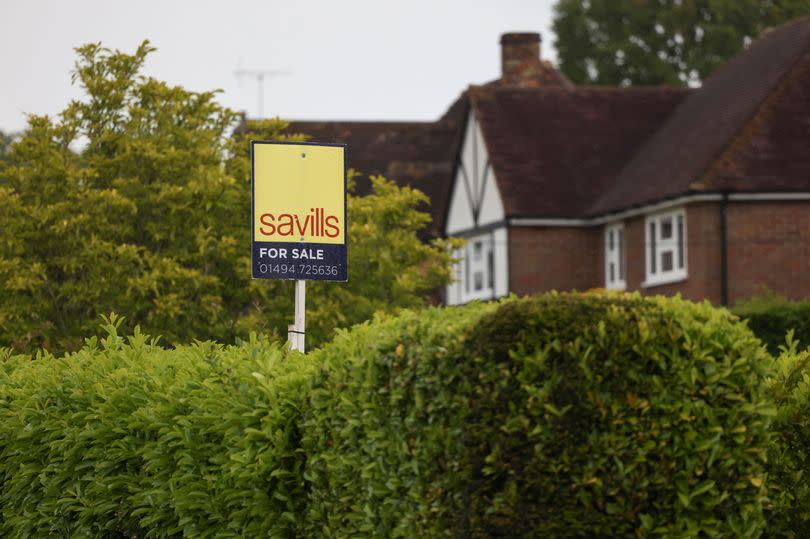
(746, 129)
(555, 150)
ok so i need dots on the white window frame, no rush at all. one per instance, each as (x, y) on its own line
(475, 270)
(479, 256)
(661, 250)
(615, 258)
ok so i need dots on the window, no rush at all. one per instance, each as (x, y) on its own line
(476, 274)
(666, 247)
(614, 257)
(481, 269)
(478, 250)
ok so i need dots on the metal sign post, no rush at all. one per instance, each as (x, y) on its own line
(297, 331)
(298, 218)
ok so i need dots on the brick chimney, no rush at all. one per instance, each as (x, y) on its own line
(520, 52)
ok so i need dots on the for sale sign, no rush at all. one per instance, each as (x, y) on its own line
(298, 211)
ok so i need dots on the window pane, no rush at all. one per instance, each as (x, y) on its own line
(652, 246)
(479, 281)
(666, 261)
(478, 248)
(680, 241)
(666, 228)
(611, 274)
(610, 240)
(620, 235)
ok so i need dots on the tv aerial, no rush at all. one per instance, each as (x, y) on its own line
(259, 75)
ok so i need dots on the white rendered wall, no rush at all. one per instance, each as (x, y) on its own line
(477, 214)
(475, 200)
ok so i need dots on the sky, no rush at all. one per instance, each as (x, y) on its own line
(339, 60)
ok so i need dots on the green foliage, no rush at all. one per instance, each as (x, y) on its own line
(648, 418)
(563, 415)
(5, 144)
(149, 219)
(387, 428)
(771, 316)
(127, 439)
(789, 462)
(659, 41)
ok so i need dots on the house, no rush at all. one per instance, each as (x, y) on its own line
(702, 192)
(536, 154)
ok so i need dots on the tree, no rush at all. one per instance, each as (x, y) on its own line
(5, 143)
(149, 220)
(5, 147)
(622, 42)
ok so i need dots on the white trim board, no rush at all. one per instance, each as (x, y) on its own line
(769, 197)
(653, 208)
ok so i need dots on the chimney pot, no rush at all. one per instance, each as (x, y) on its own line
(518, 49)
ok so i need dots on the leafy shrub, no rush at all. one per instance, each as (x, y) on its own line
(132, 440)
(562, 415)
(771, 316)
(150, 218)
(790, 457)
(385, 435)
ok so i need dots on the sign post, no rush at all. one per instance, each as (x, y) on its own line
(298, 218)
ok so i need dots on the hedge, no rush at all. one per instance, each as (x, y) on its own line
(771, 317)
(128, 439)
(387, 428)
(561, 415)
(649, 419)
(789, 462)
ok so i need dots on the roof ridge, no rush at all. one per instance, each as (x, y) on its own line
(479, 89)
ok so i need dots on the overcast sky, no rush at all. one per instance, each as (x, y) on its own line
(349, 59)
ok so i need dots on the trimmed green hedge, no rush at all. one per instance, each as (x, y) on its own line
(790, 455)
(131, 440)
(387, 430)
(771, 316)
(561, 415)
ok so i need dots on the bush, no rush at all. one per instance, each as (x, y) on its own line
(150, 218)
(562, 415)
(132, 440)
(386, 432)
(790, 458)
(771, 316)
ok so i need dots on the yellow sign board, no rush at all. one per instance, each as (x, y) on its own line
(298, 210)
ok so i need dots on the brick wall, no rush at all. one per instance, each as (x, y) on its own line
(519, 51)
(702, 256)
(553, 258)
(769, 247)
